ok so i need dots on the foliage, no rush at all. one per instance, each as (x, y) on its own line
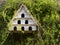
(47, 14)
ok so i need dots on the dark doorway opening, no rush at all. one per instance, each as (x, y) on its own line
(15, 28)
(19, 22)
(30, 28)
(22, 15)
(26, 21)
(22, 28)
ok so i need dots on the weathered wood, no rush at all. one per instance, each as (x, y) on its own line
(27, 22)
(23, 24)
(22, 18)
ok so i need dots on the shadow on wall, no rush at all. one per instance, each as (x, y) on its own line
(18, 37)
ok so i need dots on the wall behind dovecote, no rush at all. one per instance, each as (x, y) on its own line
(45, 13)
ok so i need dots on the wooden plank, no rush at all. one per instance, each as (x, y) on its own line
(24, 32)
(24, 24)
(22, 18)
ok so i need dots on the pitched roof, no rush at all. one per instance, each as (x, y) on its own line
(25, 8)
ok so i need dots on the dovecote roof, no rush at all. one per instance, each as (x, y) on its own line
(25, 8)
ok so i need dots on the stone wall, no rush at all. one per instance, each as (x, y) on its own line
(2, 2)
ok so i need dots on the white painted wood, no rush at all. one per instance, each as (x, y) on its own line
(22, 12)
(31, 22)
(26, 17)
(26, 28)
(22, 21)
(34, 28)
(14, 22)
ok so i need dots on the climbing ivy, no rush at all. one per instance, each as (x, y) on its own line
(47, 14)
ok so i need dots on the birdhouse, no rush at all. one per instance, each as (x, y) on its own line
(23, 21)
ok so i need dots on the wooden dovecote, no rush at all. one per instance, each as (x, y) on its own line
(23, 21)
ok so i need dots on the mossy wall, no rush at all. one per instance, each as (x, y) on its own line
(47, 14)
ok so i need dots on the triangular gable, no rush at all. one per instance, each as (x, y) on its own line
(25, 8)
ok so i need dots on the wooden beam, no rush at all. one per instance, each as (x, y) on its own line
(22, 18)
(24, 24)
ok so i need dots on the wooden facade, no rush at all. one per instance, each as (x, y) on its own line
(23, 21)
